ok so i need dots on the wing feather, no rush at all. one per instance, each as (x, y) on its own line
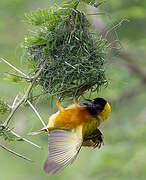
(64, 147)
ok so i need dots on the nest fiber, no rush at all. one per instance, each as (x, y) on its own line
(74, 57)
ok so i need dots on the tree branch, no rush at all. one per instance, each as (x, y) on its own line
(22, 77)
(13, 67)
(26, 140)
(14, 102)
(36, 112)
(14, 153)
(25, 97)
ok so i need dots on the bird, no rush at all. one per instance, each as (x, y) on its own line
(71, 128)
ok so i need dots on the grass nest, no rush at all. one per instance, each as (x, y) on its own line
(74, 57)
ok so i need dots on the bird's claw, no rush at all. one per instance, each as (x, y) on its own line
(98, 142)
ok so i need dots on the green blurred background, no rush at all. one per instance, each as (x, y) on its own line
(123, 156)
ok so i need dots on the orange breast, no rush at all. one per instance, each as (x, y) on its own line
(71, 117)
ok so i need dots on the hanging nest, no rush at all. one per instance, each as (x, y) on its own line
(74, 56)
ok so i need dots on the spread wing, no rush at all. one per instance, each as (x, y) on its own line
(95, 139)
(64, 147)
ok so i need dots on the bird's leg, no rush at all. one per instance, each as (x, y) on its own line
(58, 104)
(76, 103)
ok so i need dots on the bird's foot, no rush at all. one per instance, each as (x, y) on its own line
(76, 103)
(58, 104)
(98, 142)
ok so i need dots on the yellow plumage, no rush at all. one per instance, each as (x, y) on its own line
(71, 128)
(69, 118)
(76, 115)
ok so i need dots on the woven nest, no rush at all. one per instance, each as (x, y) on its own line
(74, 57)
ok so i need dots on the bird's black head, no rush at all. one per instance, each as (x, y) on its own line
(99, 101)
(95, 106)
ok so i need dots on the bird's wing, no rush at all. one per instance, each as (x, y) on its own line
(95, 139)
(64, 147)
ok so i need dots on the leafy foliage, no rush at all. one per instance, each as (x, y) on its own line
(3, 106)
(13, 78)
(74, 57)
(7, 135)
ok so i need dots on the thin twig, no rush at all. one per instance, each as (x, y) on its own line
(22, 77)
(25, 97)
(14, 68)
(36, 112)
(26, 140)
(14, 102)
(16, 154)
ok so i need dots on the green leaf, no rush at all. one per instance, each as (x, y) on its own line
(12, 78)
(3, 106)
(7, 135)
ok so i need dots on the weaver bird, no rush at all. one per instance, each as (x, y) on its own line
(71, 128)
